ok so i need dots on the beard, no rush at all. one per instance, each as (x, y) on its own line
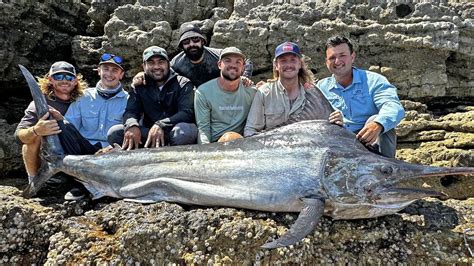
(194, 54)
(158, 76)
(229, 77)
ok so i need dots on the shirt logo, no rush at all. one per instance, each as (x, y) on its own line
(287, 48)
(231, 108)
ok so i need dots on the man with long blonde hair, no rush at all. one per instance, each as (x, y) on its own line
(61, 86)
(283, 96)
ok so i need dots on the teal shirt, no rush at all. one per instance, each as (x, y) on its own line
(218, 111)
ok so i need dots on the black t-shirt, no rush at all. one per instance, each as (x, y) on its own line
(198, 73)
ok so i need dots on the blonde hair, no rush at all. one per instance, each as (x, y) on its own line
(304, 74)
(48, 90)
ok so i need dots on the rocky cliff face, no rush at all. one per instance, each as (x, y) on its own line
(424, 48)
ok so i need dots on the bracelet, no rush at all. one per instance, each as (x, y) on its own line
(34, 132)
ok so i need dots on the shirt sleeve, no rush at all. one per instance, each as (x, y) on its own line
(29, 119)
(203, 118)
(391, 111)
(133, 111)
(73, 114)
(256, 117)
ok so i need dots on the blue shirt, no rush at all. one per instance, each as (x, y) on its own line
(94, 115)
(368, 94)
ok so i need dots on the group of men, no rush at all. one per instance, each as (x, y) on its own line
(202, 96)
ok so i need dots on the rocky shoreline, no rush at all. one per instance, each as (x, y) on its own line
(424, 48)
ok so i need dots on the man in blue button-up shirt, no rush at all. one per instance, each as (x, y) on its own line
(367, 101)
(102, 106)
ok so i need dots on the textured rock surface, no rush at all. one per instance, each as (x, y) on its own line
(36, 34)
(39, 231)
(425, 48)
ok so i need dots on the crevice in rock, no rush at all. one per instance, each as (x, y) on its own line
(403, 10)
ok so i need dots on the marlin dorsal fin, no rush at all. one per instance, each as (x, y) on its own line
(316, 107)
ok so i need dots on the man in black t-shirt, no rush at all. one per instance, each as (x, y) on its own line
(61, 86)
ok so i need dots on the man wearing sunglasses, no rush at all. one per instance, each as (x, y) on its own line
(61, 86)
(165, 103)
(196, 61)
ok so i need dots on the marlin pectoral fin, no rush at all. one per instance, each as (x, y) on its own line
(312, 211)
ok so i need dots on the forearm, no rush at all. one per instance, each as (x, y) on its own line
(27, 135)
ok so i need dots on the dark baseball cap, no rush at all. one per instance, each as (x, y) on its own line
(287, 48)
(154, 50)
(189, 30)
(62, 67)
(111, 59)
(231, 50)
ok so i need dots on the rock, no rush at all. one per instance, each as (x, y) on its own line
(124, 232)
(41, 34)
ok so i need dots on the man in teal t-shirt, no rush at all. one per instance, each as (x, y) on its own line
(221, 105)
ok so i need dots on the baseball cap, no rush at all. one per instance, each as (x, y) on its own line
(231, 50)
(111, 59)
(189, 30)
(62, 67)
(154, 50)
(287, 47)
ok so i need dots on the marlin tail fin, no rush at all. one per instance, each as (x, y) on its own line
(51, 149)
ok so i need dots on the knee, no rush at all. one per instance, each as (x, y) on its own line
(183, 134)
(115, 135)
(229, 136)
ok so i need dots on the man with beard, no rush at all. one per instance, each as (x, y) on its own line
(222, 104)
(197, 62)
(368, 102)
(165, 103)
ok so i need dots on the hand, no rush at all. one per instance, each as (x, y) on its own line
(369, 133)
(104, 150)
(55, 114)
(46, 127)
(139, 79)
(156, 137)
(260, 84)
(132, 138)
(246, 81)
(336, 118)
(308, 85)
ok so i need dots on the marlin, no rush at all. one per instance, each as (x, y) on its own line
(311, 167)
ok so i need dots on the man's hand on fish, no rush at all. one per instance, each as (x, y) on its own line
(132, 138)
(156, 137)
(46, 127)
(369, 133)
(336, 118)
(55, 114)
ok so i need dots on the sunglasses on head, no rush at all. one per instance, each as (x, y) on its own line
(192, 39)
(62, 76)
(106, 57)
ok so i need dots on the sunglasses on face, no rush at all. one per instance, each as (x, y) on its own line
(192, 39)
(59, 77)
(106, 57)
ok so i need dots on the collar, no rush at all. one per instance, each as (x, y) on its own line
(356, 78)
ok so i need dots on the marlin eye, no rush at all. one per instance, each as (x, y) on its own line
(386, 170)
